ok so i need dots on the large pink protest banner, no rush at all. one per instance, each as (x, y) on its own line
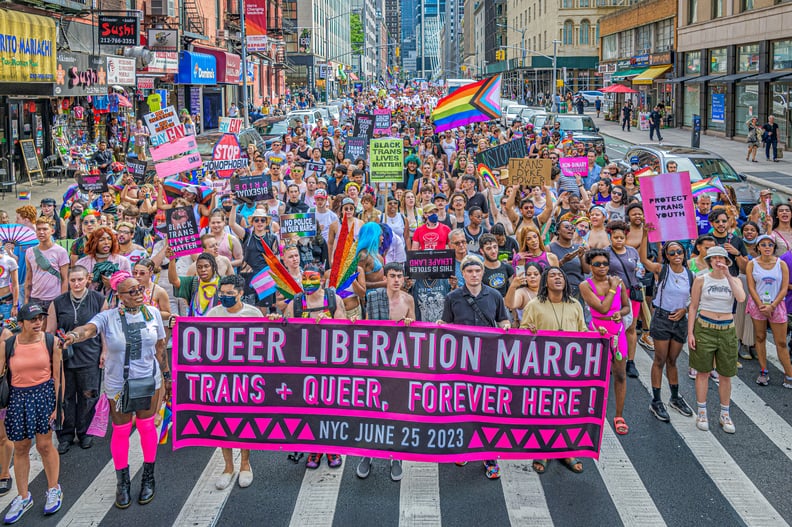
(574, 166)
(178, 147)
(185, 163)
(378, 388)
(668, 207)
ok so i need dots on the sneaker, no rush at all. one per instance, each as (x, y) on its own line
(5, 485)
(715, 377)
(222, 482)
(245, 478)
(680, 405)
(396, 470)
(461, 463)
(313, 461)
(726, 423)
(493, 470)
(364, 468)
(658, 410)
(702, 423)
(18, 507)
(54, 498)
(334, 460)
(745, 352)
(692, 373)
(764, 378)
(787, 384)
(646, 341)
(632, 371)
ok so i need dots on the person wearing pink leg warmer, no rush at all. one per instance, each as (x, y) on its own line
(134, 357)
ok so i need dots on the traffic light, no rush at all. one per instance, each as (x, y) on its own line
(500, 54)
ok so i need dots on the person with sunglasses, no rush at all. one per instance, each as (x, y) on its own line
(738, 254)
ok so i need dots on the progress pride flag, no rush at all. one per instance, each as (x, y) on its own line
(377, 388)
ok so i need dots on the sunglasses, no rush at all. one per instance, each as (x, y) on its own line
(767, 244)
(258, 220)
(678, 252)
(600, 264)
(134, 291)
(721, 221)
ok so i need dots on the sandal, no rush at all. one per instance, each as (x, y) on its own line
(540, 465)
(620, 426)
(313, 461)
(334, 460)
(573, 464)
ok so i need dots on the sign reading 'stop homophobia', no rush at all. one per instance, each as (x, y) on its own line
(378, 388)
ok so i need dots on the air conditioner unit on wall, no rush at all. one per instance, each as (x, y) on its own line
(162, 8)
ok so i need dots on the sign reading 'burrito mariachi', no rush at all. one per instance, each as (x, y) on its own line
(378, 388)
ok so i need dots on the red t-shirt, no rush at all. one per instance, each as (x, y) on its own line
(429, 239)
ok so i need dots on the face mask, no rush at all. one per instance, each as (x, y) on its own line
(227, 301)
(227, 208)
(432, 218)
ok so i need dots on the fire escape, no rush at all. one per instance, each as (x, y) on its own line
(193, 22)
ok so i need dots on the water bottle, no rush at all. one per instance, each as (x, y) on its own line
(640, 271)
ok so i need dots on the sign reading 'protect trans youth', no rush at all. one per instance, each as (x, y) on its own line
(378, 388)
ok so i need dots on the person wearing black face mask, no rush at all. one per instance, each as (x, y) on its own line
(431, 235)
(231, 290)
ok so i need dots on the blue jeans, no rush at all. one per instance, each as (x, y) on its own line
(775, 149)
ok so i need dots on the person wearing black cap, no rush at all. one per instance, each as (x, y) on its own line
(48, 210)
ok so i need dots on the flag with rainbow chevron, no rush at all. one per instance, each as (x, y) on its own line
(473, 103)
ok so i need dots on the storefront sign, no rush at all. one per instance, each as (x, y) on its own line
(196, 68)
(661, 58)
(118, 30)
(640, 60)
(718, 107)
(163, 62)
(27, 47)
(228, 65)
(227, 156)
(163, 39)
(145, 83)
(79, 74)
(377, 388)
(256, 25)
(121, 71)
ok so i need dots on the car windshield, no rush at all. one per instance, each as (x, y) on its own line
(576, 124)
(704, 167)
(276, 128)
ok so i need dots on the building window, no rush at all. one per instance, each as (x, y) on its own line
(583, 3)
(718, 60)
(692, 63)
(568, 4)
(745, 106)
(643, 39)
(746, 5)
(585, 32)
(596, 32)
(664, 41)
(691, 103)
(626, 43)
(717, 8)
(610, 47)
(748, 58)
(567, 34)
(782, 54)
(692, 11)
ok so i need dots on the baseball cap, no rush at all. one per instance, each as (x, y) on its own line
(347, 201)
(634, 160)
(321, 180)
(48, 201)
(440, 195)
(429, 208)
(192, 189)
(320, 193)
(30, 311)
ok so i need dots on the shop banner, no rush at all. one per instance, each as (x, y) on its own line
(28, 47)
(530, 172)
(252, 188)
(355, 148)
(182, 164)
(196, 68)
(668, 207)
(79, 74)
(119, 30)
(377, 388)
(230, 125)
(120, 71)
(96, 183)
(163, 62)
(304, 42)
(178, 147)
(574, 166)
(387, 161)
(226, 156)
(431, 265)
(364, 125)
(382, 121)
(183, 234)
(256, 25)
(313, 168)
(163, 39)
(499, 156)
(302, 224)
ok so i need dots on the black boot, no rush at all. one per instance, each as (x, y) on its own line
(147, 484)
(122, 488)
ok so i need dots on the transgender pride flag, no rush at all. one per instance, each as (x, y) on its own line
(263, 283)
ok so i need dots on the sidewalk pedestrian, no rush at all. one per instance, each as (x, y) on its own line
(753, 138)
(626, 116)
(770, 138)
(655, 120)
(598, 106)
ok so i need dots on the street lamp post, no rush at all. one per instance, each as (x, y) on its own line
(555, 70)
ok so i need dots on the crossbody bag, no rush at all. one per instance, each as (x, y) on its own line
(137, 393)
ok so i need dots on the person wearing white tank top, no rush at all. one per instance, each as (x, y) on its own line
(712, 339)
(768, 277)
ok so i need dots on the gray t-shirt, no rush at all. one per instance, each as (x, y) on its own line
(246, 312)
(108, 324)
(572, 268)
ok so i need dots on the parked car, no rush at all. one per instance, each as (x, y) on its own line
(589, 96)
(511, 114)
(699, 163)
(538, 120)
(527, 113)
(206, 142)
(313, 116)
(582, 127)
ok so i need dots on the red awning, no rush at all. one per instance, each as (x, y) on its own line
(353, 77)
(229, 65)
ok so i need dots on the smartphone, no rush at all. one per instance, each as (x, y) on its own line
(520, 270)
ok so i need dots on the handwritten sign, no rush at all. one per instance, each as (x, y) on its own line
(252, 188)
(499, 156)
(161, 120)
(382, 121)
(387, 161)
(355, 148)
(303, 224)
(96, 183)
(30, 156)
(430, 264)
(183, 235)
(376, 388)
(230, 125)
(668, 207)
(530, 172)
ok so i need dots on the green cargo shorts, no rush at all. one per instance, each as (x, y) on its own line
(714, 345)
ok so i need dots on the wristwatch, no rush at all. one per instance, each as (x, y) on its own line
(166, 375)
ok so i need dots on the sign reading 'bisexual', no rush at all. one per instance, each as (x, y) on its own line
(378, 388)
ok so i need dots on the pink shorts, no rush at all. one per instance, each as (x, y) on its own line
(779, 315)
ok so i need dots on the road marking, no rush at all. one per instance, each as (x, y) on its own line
(92, 506)
(524, 495)
(206, 502)
(419, 495)
(318, 497)
(735, 486)
(633, 502)
(35, 468)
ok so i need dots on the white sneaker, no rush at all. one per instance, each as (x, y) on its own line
(692, 373)
(54, 500)
(18, 507)
(245, 478)
(224, 481)
(702, 423)
(727, 424)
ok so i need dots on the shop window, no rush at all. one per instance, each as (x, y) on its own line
(626, 43)
(716, 99)
(583, 3)
(718, 60)
(665, 35)
(568, 4)
(745, 100)
(692, 104)
(692, 63)
(567, 34)
(585, 31)
(643, 42)
(782, 54)
(610, 47)
(748, 58)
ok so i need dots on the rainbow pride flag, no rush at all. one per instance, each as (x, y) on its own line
(712, 184)
(24, 195)
(485, 172)
(473, 103)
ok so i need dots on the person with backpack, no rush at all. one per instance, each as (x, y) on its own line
(48, 266)
(669, 323)
(35, 371)
(199, 291)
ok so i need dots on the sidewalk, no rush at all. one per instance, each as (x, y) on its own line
(764, 173)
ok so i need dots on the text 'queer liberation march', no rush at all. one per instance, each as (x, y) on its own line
(422, 393)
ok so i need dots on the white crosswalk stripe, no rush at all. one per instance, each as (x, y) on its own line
(205, 502)
(524, 494)
(419, 496)
(316, 502)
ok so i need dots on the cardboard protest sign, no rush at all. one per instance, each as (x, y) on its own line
(226, 156)
(364, 125)
(302, 224)
(668, 207)
(574, 166)
(314, 168)
(382, 121)
(530, 172)
(376, 388)
(96, 183)
(252, 188)
(355, 148)
(230, 125)
(183, 234)
(386, 161)
(431, 265)
(499, 156)
(161, 120)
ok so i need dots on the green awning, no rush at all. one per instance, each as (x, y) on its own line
(621, 75)
(575, 63)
